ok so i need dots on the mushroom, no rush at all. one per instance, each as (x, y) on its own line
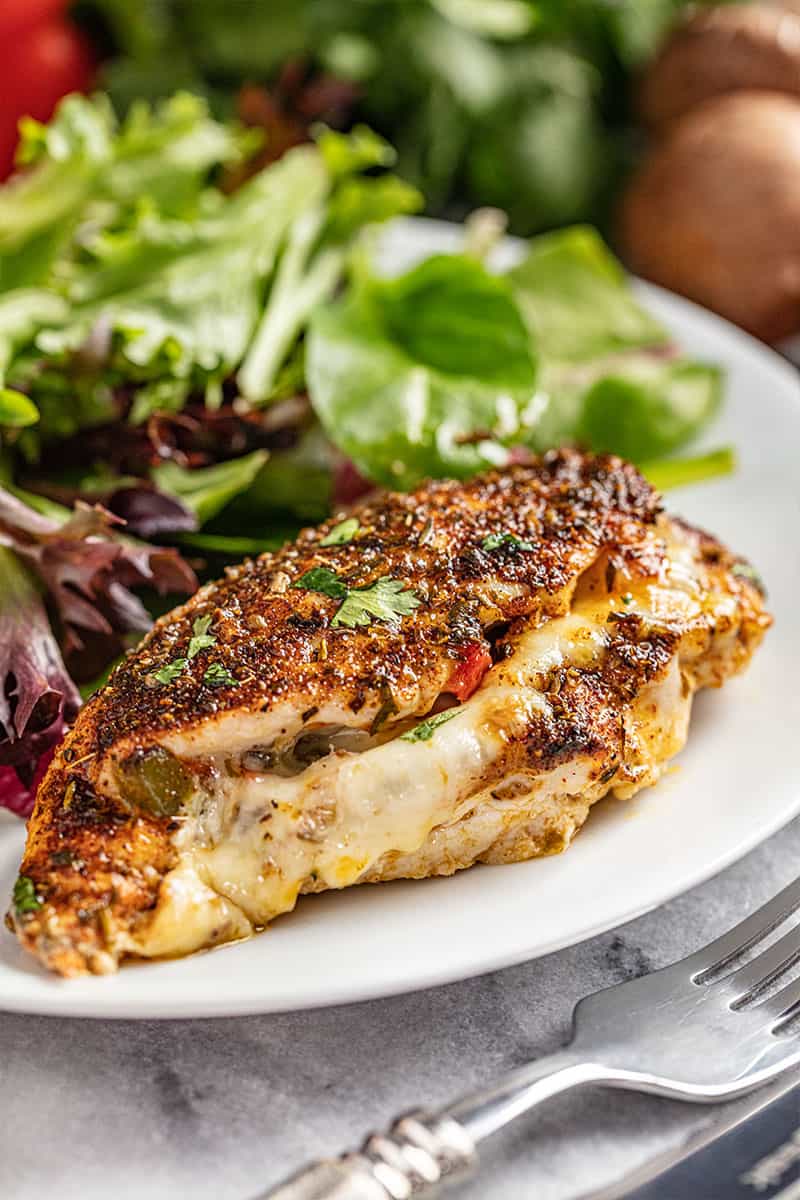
(726, 48)
(714, 212)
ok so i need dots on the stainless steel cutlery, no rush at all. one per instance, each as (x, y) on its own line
(710, 1027)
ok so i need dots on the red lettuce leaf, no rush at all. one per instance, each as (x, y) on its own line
(147, 512)
(65, 587)
(37, 695)
(87, 569)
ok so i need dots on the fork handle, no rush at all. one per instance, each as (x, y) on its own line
(421, 1151)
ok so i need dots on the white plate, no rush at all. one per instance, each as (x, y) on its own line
(737, 782)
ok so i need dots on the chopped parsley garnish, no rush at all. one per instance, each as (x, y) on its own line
(344, 532)
(219, 676)
(627, 598)
(24, 896)
(745, 571)
(385, 600)
(201, 638)
(171, 671)
(494, 541)
(425, 731)
(322, 579)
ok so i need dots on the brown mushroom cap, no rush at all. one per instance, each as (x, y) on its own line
(714, 213)
(719, 50)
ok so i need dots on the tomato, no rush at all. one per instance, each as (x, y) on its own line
(23, 14)
(469, 671)
(38, 66)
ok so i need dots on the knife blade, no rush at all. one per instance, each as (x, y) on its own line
(755, 1157)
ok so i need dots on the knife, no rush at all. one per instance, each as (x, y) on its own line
(754, 1155)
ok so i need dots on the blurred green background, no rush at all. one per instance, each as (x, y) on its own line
(522, 104)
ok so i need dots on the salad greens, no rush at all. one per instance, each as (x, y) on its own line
(443, 370)
(424, 374)
(207, 365)
(519, 103)
(206, 490)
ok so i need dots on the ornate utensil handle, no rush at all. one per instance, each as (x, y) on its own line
(419, 1152)
(422, 1150)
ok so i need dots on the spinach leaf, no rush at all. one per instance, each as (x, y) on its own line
(451, 315)
(643, 418)
(431, 373)
(576, 300)
(677, 472)
(610, 378)
(425, 731)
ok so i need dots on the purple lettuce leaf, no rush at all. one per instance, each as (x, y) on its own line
(65, 591)
(87, 569)
(37, 695)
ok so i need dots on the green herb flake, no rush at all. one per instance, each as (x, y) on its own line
(26, 899)
(494, 541)
(425, 731)
(322, 579)
(627, 599)
(387, 709)
(745, 571)
(201, 638)
(171, 671)
(218, 676)
(342, 533)
(385, 600)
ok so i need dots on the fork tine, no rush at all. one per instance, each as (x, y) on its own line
(719, 953)
(781, 1005)
(752, 978)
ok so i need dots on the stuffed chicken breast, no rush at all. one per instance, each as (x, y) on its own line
(427, 681)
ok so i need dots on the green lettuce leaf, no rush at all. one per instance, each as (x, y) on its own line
(205, 491)
(610, 378)
(22, 311)
(431, 373)
(298, 480)
(16, 410)
(313, 260)
(198, 313)
(439, 371)
(83, 155)
(575, 298)
(679, 472)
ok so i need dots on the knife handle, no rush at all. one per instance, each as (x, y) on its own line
(418, 1153)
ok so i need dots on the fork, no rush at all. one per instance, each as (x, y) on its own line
(701, 1030)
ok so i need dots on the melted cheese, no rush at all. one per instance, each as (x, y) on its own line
(251, 843)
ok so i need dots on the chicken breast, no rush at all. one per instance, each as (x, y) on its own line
(431, 680)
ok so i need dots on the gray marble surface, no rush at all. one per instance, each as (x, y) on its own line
(100, 1110)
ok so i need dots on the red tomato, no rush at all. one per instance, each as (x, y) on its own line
(469, 671)
(38, 67)
(22, 14)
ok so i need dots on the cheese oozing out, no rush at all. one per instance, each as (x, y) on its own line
(250, 842)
